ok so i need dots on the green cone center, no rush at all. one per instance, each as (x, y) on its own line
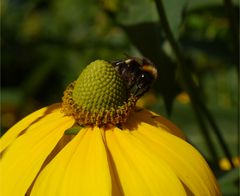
(99, 88)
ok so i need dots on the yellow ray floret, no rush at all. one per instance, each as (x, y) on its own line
(81, 168)
(13, 132)
(22, 161)
(145, 156)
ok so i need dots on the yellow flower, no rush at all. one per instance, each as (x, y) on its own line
(225, 164)
(146, 155)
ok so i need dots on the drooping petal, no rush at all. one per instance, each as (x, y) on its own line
(184, 160)
(23, 159)
(81, 168)
(14, 131)
(143, 115)
(140, 171)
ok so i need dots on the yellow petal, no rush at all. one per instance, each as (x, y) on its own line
(81, 168)
(184, 160)
(16, 130)
(23, 159)
(142, 115)
(140, 171)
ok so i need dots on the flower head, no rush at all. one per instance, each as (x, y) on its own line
(77, 149)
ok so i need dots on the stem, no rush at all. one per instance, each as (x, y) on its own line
(205, 133)
(189, 85)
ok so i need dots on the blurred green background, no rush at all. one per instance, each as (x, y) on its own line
(46, 43)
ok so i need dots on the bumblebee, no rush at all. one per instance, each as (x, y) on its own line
(137, 73)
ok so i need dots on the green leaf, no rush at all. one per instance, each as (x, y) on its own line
(11, 96)
(73, 130)
(136, 11)
(230, 176)
(175, 10)
(203, 3)
(229, 183)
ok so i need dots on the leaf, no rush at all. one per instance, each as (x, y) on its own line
(73, 130)
(133, 12)
(175, 10)
(229, 182)
(11, 96)
(230, 176)
(203, 3)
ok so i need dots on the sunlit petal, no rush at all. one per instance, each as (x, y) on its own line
(140, 172)
(184, 160)
(14, 131)
(143, 115)
(23, 159)
(81, 168)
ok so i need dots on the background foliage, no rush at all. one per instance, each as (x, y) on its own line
(46, 43)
